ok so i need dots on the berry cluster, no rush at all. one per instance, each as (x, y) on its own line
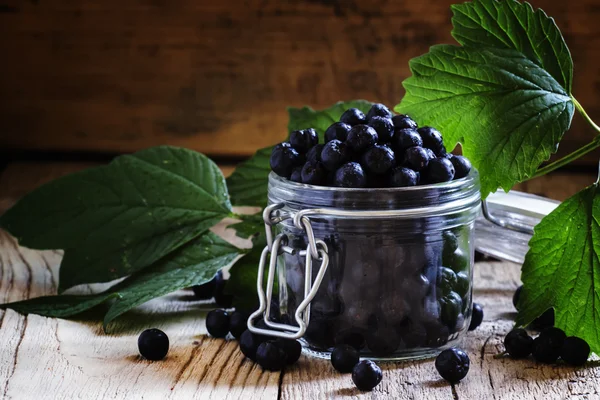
(214, 289)
(374, 150)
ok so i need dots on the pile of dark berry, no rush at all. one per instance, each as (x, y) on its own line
(375, 150)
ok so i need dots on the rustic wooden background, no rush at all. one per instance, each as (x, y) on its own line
(115, 76)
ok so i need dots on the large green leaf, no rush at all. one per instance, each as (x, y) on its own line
(510, 24)
(562, 268)
(117, 219)
(508, 113)
(248, 183)
(193, 264)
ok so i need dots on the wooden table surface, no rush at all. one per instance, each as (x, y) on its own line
(47, 358)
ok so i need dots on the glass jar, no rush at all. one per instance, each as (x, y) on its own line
(397, 281)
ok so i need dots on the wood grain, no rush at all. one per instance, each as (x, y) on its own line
(217, 76)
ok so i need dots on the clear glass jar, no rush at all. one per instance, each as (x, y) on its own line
(399, 278)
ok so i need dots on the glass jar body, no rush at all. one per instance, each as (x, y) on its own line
(396, 286)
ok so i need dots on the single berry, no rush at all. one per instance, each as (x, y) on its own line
(350, 175)
(516, 297)
(440, 170)
(361, 137)
(403, 122)
(379, 110)
(335, 154)
(314, 173)
(405, 138)
(337, 130)
(291, 348)
(476, 316)
(575, 351)
(153, 344)
(270, 356)
(547, 346)
(282, 145)
(249, 343)
(314, 154)
(430, 154)
(222, 299)
(353, 116)
(304, 139)
(284, 159)
(463, 284)
(458, 261)
(401, 177)
(378, 159)
(217, 323)
(452, 365)
(296, 175)
(366, 375)
(518, 343)
(416, 158)
(206, 290)
(451, 305)
(238, 323)
(546, 320)
(432, 139)
(344, 358)
(384, 128)
(462, 166)
(446, 280)
(450, 244)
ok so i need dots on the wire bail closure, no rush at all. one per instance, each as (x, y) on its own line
(316, 249)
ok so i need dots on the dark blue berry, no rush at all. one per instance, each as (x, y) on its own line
(361, 137)
(353, 116)
(335, 154)
(403, 122)
(344, 358)
(217, 323)
(238, 323)
(284, 159)
(405, 138)
(476, 316)
(153, 344)
(249, 343)
(432, 139)
(270, 356)
(337, 130)
(379, 110)
(291, 348)
(378, 159)
(452, 365)
(440, 170)
(546, 320)
(416, 158)
(547, 346)
(462, 166)
(401, 177)
(458, 261)
(303, 140)
(518, 343)
(366, 375)
(314, 154)
(206, 290)
(463, 284)
(222, 299)
(575, 351)
(296, 175)
(282, 145)
(314, 173)
(350, 175)
(446, 280)
(430, 153)
(451, 305)
(384, 128)
(516, 297)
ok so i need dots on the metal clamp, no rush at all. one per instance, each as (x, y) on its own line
(503, 223)
(316, 249)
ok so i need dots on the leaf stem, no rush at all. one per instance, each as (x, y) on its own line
(584, 114)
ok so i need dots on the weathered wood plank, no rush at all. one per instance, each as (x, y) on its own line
(217, 76)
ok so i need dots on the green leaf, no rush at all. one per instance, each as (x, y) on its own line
(510, 24)
(562, 268)
(117, 219)
(248, 183)
(508, 113)
(193, 264)
(250, 226)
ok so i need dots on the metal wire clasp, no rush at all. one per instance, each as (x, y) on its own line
(316, 249)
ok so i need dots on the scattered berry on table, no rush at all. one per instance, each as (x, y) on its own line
(384, 128)
(379, 110)
(206, 290)
(366, 375)
(350, 175)
(284, 159)
(440, 170)
(249, 343)
(314, 173)
(452, 365)
(314, 154)
(516, 297)
(401, 177)
(462, 166)
(404, 122)
(575, 351)
(221, 298)
(405, 138)
(476, 317)
(361, 137)
(337, 130)
(518, 343)
(378, 159)
(238, 323)
(547, 346)
(291, 348)
(303, 140)
(416, 158)
(353, 116)
(335, 153)
(344, 357)
(270, 356)
(153, 344)
(432, 139)
(217, 323)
